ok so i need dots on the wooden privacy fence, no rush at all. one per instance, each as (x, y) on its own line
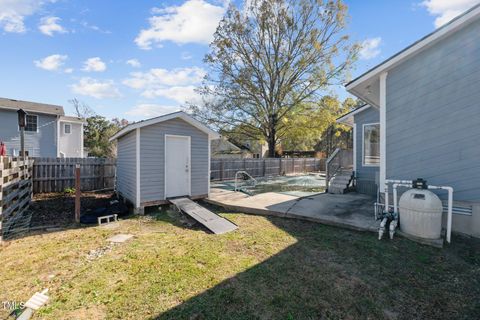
(15, 194)
(58, 174)
(225, 169)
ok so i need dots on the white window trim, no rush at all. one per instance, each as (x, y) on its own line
(363, 144)
(64, 128)
(33, 115)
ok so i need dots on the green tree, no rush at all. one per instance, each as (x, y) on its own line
(97, 132)
(337, 135)
(307, 123)
(270, 57)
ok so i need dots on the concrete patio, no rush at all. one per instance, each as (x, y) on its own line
(351, 210)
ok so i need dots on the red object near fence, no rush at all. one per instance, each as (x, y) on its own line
(3, 150)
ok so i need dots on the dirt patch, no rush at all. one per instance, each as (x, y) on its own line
(58, 209)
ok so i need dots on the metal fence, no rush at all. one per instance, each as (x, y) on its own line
(225, 169)
(58, 174)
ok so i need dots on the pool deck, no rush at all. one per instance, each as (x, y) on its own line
(351, 210)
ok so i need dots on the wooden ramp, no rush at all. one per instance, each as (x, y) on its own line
(210, 220)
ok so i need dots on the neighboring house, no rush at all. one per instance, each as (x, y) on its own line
(224, 149)
(259, 149)
(427, 99)
(48, 133)
(162, 158)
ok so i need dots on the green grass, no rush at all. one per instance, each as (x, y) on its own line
(271, 268)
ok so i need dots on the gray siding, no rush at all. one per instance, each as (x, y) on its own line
(38, 144)
(152, 145)
(126, 166)
(367, 176)
(433, 115)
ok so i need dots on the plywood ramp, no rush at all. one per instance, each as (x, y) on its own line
(210, 220)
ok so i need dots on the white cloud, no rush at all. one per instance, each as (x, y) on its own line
(176, 84)
(195, 21)
(446, 10)
(94, 64)
(14, 12)
(370, 48)
(51, 63)
(151, 110)
(68, 70)
(50, 25)
(134, 63)
(96, 88)
(180, 94)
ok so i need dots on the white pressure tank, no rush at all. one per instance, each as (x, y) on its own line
(421, 213)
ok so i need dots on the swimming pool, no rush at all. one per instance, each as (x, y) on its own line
(298, 185)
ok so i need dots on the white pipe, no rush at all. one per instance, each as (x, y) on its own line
(393, 226)
(450, 208)
(382, 228)
(395, 194)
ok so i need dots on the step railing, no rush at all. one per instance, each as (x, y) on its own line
(339, 159)
(244, 173)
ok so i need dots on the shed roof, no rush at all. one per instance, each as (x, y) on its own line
(179, 114)
(29, 106)
(72, 119)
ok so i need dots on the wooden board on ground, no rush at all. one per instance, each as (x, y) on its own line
(210, 220)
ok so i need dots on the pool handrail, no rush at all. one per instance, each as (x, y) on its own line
(248, 175)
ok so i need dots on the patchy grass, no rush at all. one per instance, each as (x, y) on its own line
(271, 268)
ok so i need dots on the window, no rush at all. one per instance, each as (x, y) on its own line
(31, 123)
(67, 128)
(371, 144)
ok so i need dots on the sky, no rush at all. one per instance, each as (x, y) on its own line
(137, 59)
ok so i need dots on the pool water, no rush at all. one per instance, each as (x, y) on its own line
(295, 185)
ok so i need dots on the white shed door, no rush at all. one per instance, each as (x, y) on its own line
(177, 166)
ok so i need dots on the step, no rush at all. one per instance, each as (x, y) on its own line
(336, 190)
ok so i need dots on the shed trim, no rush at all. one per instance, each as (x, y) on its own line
(179, 114)
(189, 139)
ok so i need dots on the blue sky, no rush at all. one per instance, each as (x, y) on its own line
(138, 59)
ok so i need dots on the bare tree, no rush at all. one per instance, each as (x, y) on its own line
(82, 110)
(270, 57)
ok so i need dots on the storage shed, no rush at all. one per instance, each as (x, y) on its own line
(163, 157)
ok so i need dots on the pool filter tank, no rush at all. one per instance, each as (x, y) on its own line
(421, 212)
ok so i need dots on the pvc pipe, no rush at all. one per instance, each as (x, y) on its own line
(450, 208)
(381, 230)
(393, 226)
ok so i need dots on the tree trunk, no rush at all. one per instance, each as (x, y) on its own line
(271, 147)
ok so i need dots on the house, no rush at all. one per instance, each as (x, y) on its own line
(224, 149)
(162, 158)
(48, 132)
(423, 117)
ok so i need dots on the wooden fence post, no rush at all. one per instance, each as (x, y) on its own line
(222, 167)
(77, 193)
(264, 167)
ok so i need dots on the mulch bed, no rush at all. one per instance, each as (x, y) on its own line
(58, 209)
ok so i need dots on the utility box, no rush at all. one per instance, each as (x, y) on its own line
(421, 213)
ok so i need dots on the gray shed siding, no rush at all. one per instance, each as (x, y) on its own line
(152, 146)
(367, 176)
(433, 115)
(38, 144)
(126, 166)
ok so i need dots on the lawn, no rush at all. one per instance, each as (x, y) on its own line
(270, 268)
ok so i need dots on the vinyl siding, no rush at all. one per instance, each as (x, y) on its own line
(367, 176)
(38, 144)
(433, 115)
(152, 146)
(126, 166)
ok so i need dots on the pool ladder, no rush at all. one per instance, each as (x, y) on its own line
(245, 173)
